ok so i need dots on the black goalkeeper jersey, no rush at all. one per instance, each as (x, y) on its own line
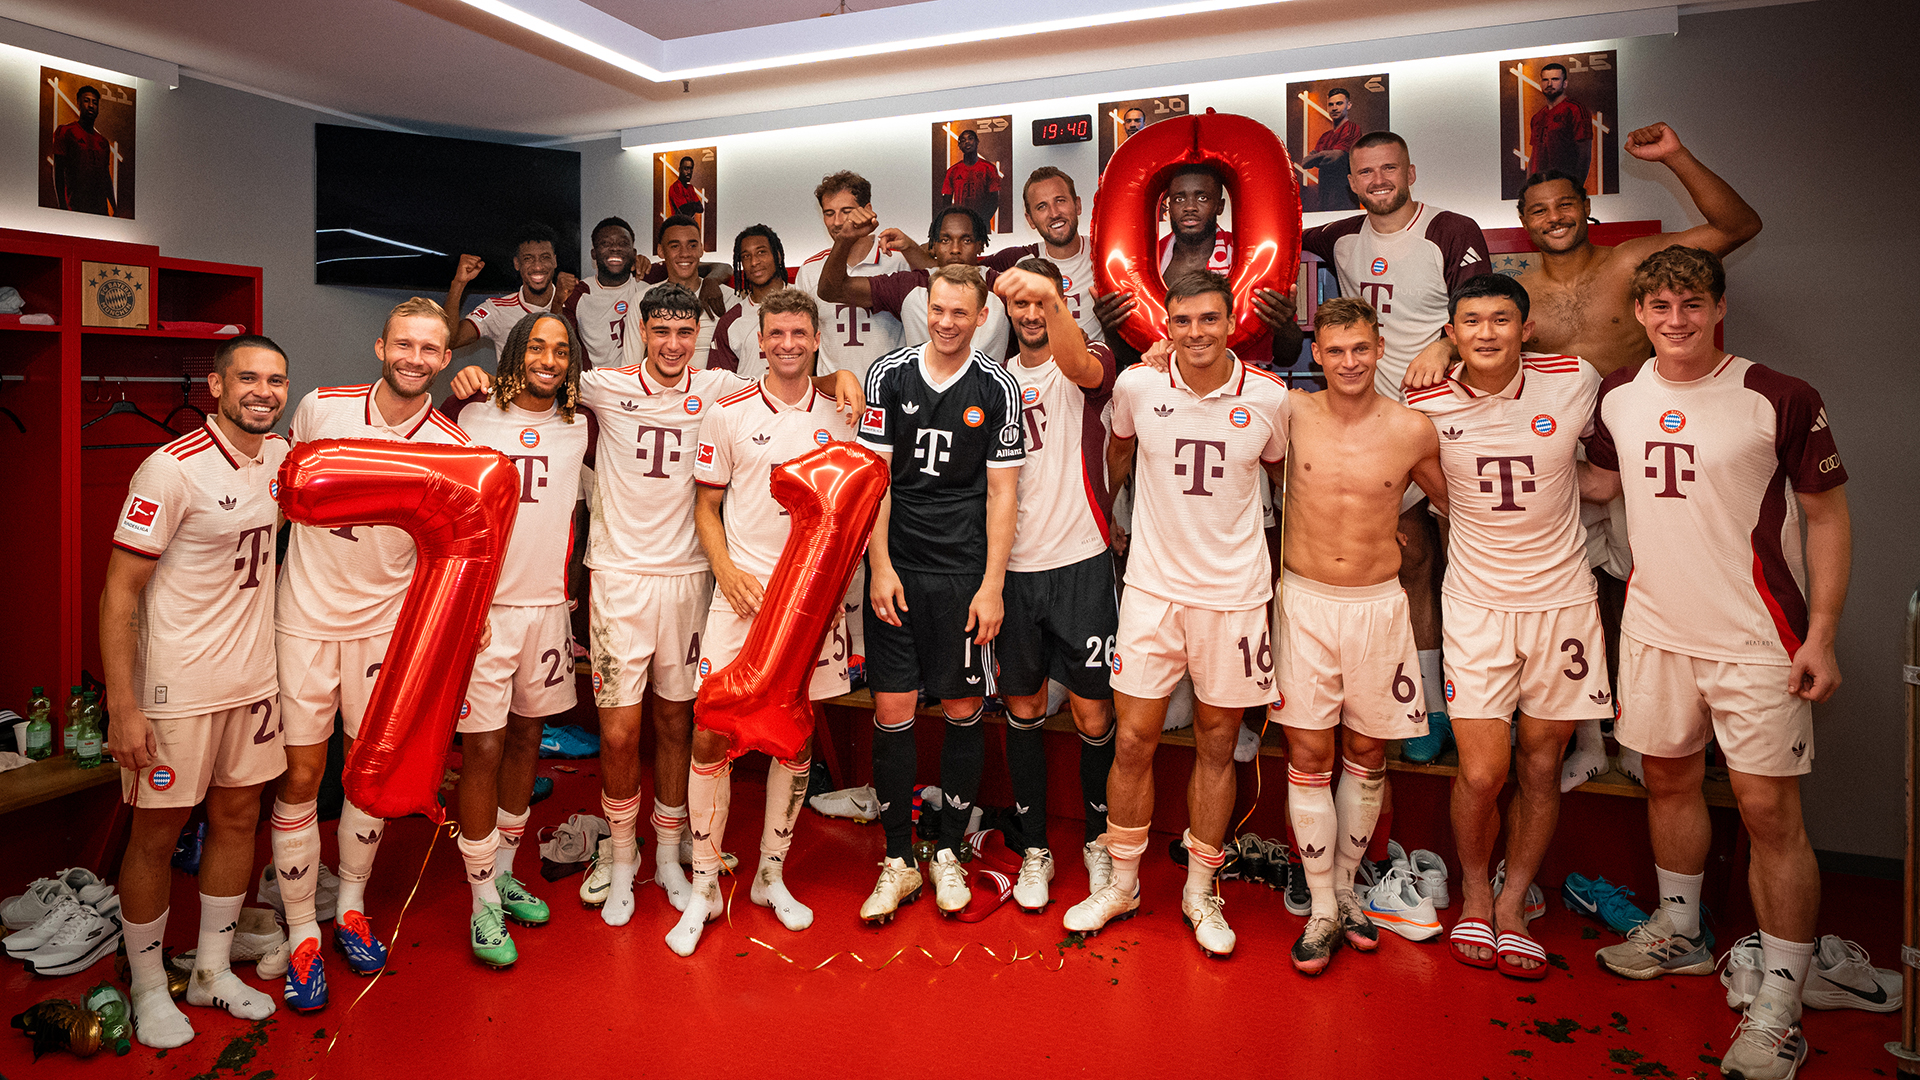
(943, 440)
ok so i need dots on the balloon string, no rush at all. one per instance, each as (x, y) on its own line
(433, 839)
(1015, 956)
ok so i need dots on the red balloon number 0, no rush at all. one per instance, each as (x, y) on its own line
(458, 504)
(1261, 189)
(760, 700)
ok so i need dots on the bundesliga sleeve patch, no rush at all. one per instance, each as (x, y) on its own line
(703, 460)
(141, 512)
(873, 421)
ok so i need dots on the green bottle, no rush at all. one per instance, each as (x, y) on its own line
(72, 725)
(111, 1005)
(87, 745)
(39, 726)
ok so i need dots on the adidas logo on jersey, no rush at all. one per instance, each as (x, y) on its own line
(909, 407)
(629, 406)
(1799, 749)
(1453, 433)
(1471, 257)
(1819, 421)
(1600, 698)
(1163, 410)
(759, 440)
(1266, 683)
(229, 503)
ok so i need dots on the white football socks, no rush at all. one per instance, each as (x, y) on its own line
(511, 828)
(1680, 899)
(623, 815)
(359, 838)
(786, 794)
(1357, 809)
(480, 857)
(1315, 829)
(669, 828)
(157, 1021)
(213, 981)
(1588, 759)
(296, 865)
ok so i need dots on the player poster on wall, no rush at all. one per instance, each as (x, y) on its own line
(971, 162)
(86, 144)
(1560, 114)
(1119, 121)
(1324, 119)
(685, 182)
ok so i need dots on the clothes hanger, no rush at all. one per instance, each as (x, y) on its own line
(125, 407)
(186, 403)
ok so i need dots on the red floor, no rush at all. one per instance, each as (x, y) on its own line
(1139, 1000)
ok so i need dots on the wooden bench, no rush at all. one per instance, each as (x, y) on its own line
(1612, 782)
(50, 778)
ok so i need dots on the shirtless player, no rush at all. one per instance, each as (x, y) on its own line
(1343, 646)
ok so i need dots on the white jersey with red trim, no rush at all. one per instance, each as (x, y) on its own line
(1710, 469)
(549, 453)
(852, 338)
(1516, 542)
(643, 466)
(496, 317)
(746, 435)
(1197, 532)
(1406, 275)
(206, 512)
(1063, 494)
(608, 318)
(348, 583)
(637, 345)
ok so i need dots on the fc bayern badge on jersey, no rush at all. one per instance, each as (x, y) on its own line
(160, 778)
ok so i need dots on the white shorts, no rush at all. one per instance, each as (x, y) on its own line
(526, 670)
(232, 748)
(1551, 665)
(1226, 652)
(646, 626)
(320, 678)
(1671, 704)
(1345, 655)
(727, 630)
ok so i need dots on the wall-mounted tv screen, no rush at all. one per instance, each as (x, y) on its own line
(396, 211)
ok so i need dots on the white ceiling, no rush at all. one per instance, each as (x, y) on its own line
(446, 66)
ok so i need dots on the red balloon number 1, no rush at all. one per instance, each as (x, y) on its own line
(458, 504)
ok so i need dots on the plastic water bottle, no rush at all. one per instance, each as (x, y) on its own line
(72, 725)
(39, 726)
(112, 1008)
(87, 746)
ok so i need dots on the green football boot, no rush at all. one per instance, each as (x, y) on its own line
(520, 905)
(491, 944)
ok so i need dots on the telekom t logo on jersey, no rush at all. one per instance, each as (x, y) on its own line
(256, 547)
(530, 466)
(1669, 468)
(658, 452)
(1379, 294)
(929, 453)
(1201, 472)
(1036, 417)
(853, 322)
(1504, 470)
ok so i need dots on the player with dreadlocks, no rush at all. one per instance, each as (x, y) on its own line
(525, 671)
(759, 267)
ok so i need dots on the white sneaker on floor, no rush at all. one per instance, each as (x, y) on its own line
(599, 880)
(326, 897)
(899, 884)
(1430, 877)
(1247, 746)
(81, 941)
(23, 911)
(1108, 905)
(1099, 863)
(1536, 904)
(1843, 978)
(258, 940)
(1740, 971)
(861, 804)
(950, 889)
(1395, 903)
(1036, 870)
(1209, 924)
(1768, 1044)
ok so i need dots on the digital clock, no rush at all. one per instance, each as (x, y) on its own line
(1062, 129)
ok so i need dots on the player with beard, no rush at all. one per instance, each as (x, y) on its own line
(682, 196)
(1195, 198)
(760, 264)
(1060, 611)
(1581, 307)
(651, 583)
(543, 287)
(1195, 438)
(1560, 134)
(1404, 259)
(525, 671)
(605, 309)
(186, 637)
(946, 418)
(851, 337)
(83, 159)
(1330, 152)
(680, 249)
(336, 606)
(744, 530)
(956, 238)
(1343, 651)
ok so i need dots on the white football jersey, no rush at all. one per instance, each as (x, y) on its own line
(607, 316)
(852, 338)
(747, 435)
(1063, 495)
(495, 318)
(549, 452)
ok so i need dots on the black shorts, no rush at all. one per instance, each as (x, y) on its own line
(931, 649)
(1060, 624)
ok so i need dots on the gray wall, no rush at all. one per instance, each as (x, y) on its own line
(1806, 107)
